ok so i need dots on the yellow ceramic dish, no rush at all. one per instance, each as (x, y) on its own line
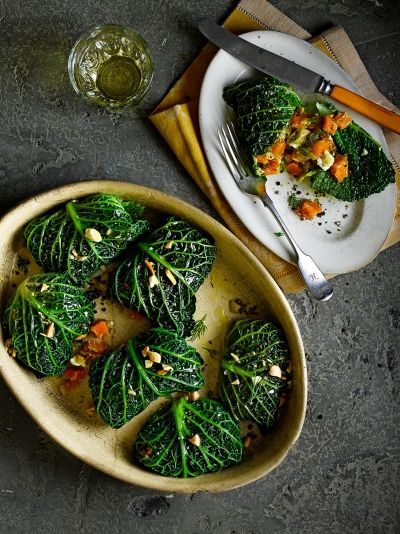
(236, 274)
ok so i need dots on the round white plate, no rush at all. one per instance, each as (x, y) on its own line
(350, 234)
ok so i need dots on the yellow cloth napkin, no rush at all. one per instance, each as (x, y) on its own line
(176, 118)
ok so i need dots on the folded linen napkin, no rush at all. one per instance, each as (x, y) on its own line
(177, 119)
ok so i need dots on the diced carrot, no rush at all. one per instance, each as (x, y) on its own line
(342, 119)
(298, 121)
(92, 347)
(99, 328)
(278, 149)
(272, 167)
(319, 146)
(308, 209)
(262, 159)
(329, 125)
(340, 167)
(295, 168)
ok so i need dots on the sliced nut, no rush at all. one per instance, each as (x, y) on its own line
(166, 367)
(78, 360)
(74, 253)
(154, 356)
(275, 370)
(193, 395)
(169, 245)
(150, 266)
(93, 235)
(153, 281)
(145, 350)
(81, 258)
(162, 372)
(170, 276)
(235, 382)
(108, 232)
(79, 338)
(235, 357)
(44, 287)
(247, 442)
(195, 440)
(50, 330)
(131, 392)
(148, 364)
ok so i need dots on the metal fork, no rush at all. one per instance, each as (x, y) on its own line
(253, 185)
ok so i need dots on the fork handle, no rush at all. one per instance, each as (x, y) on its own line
(317, 284)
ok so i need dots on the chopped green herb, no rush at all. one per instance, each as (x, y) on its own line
(279, 234)
(293, 201)
(199, 328)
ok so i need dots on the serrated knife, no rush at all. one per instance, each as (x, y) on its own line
(290, 72)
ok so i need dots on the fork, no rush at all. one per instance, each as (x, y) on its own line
(254, 186)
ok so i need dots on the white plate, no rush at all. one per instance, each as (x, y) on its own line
(350, 234)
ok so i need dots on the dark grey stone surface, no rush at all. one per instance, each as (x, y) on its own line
(342, 476)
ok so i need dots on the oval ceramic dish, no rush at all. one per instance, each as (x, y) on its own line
(236, 274)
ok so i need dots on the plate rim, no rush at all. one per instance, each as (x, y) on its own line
(147, 479)
(391, 188)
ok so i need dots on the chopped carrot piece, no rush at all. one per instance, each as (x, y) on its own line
(295, 168)
(99, 328)
(272, 167)
(278, 149)
(320, 146)
(342, 119)
(298, 121)
(329, 125)
(75, 374)
(308, 209)
(262, 159)
(340, 167)
(92, 347)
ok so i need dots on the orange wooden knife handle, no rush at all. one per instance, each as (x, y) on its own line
(371, 110)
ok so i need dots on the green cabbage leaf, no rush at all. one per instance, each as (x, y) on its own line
(247, 388)
(61, 241)
(188, 439)
(122, 386)
(42, 319)
(178, 249)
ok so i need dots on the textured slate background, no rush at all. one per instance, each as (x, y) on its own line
(343, 474)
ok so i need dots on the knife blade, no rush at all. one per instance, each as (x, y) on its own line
(294, 74)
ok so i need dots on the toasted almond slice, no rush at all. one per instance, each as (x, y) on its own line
(275, 370)
(93, 235)
(154, 356)
(145, 350)
(166, 367)
(79, 338)
(153, 281)
(78, 360)
(148, 364)
(169, 245)
(44, 287)
(74, 253)
(131, 392)
(235, 382)
(195, 440)
(162, 372)
(150, 266)
(108, 232)
(247, 442)
(50, 330)
(193, 395)
(81, 258)
(235, 357)
(170, 276)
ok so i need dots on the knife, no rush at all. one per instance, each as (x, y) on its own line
(290, 72)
